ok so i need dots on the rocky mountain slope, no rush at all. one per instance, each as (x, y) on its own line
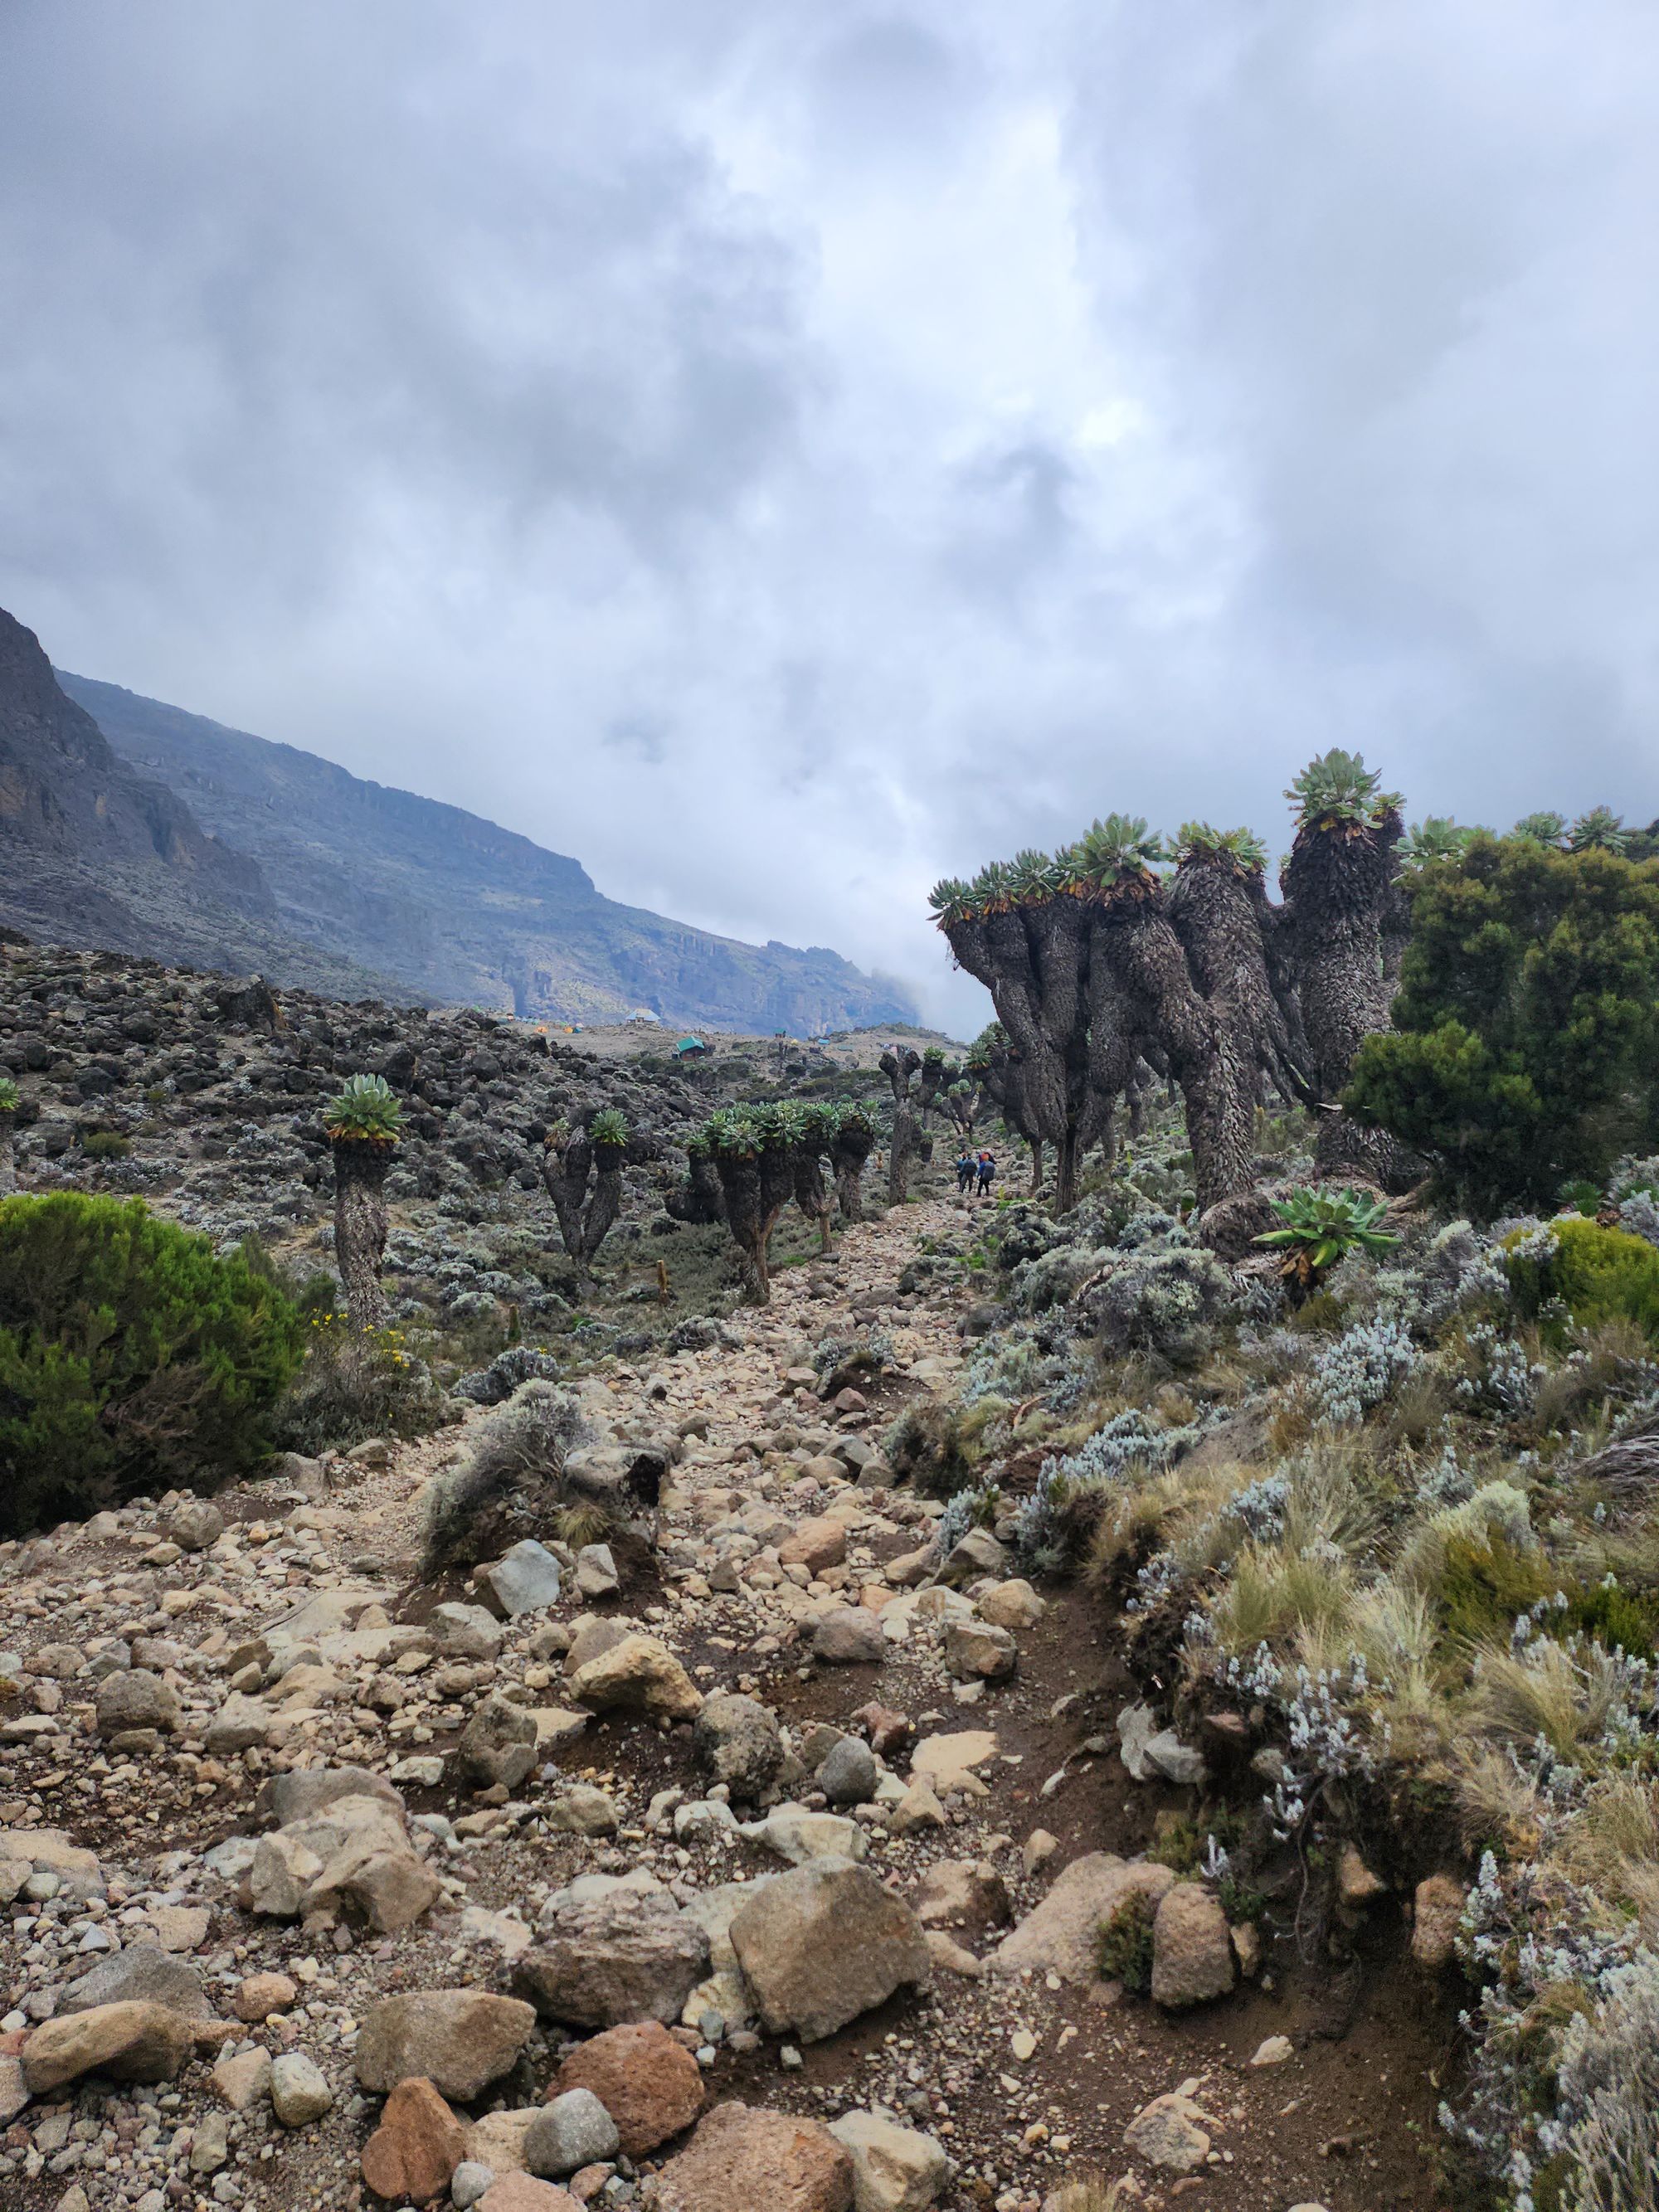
(93, 851)
(458, 910)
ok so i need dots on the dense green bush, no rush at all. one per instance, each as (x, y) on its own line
(1597, 1274)
(132, 1357)
(1527, 1026)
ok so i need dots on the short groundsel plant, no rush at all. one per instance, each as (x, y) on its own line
(1318, 1227)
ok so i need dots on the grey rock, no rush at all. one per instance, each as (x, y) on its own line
(523, 1580)
(848, 1774)
(299, 2089)
(737, 1740)
(464, 1632)
(613, 1960)
(461, 2040)
(195, 1525)
(847, 1635)
(825, 1943)
(498, 1744)
(136, 1699)
(596, 1571)
(140, 1972)
(574, 2130)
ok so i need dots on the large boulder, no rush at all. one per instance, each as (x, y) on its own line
(1060, 1936)
(141, 1974)
(352, 1860)
(847, 1636)
(651, 2086)
(612, 1960)
(639, 1674)
(308, 1789)
(815, 1545)
(1191, 1949)
(460, 2039)
(975, 1650)
(739, 2157)
(464, 1632)
(498, 1744)
(737, 1741)
(134, 1699)
(523, 1580)
(132, 2041)
(825, 1943)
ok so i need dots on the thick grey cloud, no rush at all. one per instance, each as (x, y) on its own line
(783, 454)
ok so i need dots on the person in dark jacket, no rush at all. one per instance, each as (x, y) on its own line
(987, 1168)
(965, 1170)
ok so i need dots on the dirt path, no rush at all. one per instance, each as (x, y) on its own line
(1024, 2079)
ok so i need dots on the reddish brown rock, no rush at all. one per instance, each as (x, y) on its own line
(417, 2146)
(741, 2157)
(651, 2086)
(815, 1545)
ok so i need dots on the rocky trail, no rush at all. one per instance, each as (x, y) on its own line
(638, 1869)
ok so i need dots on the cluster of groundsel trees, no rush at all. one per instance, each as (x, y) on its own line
(747, 1162)
(1122, 957)
(1121, 954)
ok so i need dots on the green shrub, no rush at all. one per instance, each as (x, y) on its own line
(10, 1097)
(1485, 1587)
(1524, 1049)
(1123, 1948)
(132, 1357)
(105, 1144)
(926, 1446)
(1597, 1274)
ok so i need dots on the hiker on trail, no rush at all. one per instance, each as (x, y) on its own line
(987, 1168)
(965, 1170)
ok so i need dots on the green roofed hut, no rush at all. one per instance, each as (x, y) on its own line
(690, 1047)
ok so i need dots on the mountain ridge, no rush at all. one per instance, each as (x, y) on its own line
(457, 907)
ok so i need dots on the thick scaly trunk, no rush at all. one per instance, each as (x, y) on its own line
(603, 1202)
(699, 1200)
(1338, 887)
(1037, 1165)
(8, 1157)
(849, 1152)
(584, 1180)
(745, 1217)
(1219, 911)
(900, 1065)
(1066, 1173)
(1217, 1078)
(360, 1225)
(811, 1193)
(907, 1135)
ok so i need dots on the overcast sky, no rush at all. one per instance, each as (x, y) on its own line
(781, 451)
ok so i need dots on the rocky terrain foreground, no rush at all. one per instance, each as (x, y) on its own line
(755, 1857)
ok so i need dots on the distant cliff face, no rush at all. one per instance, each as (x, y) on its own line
(458, 910)
(93, 853)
